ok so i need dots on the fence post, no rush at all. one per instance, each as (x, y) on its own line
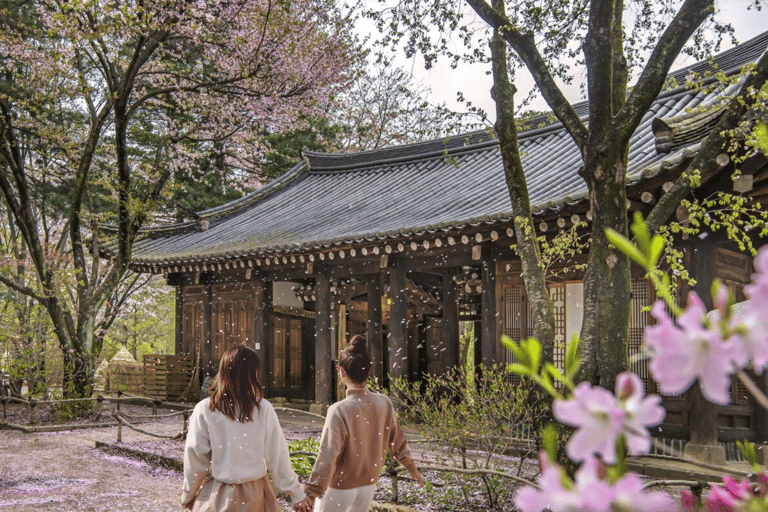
(119, 396)
(392, 470)
(32, 405)
(155, 403)
(99, 403)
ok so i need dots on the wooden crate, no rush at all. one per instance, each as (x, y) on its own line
(166, 377)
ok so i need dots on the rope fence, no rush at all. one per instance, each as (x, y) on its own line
(122, 398)
(120, 418)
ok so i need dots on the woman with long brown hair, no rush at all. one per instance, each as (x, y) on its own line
(357, 434)
(234, 438)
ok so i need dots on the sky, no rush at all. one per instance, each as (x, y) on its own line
(473, 80)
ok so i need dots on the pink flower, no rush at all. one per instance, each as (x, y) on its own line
(629, 495)
(589, 493)
(598, 418)
(727, 497)
(689, 352)
(601, 418)
(641, 412)
(752, 314)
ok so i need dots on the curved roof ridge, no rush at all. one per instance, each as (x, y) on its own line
(430, 148)
(224, 210)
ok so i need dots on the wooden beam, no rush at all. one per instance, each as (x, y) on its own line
(374, 330)
(398, 334)
(323, 339)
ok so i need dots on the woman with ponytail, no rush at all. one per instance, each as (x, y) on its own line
(234, 438)
(357, 434)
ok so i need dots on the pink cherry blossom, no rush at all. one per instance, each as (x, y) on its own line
(689, 352)
(601, 418)
(590, 492)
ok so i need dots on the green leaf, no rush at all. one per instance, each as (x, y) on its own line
(747, 449)
(549, 441)
(546, 383)
(533, 350)
(572, 360)
(554, 372)
(657, 248)
(622, 244)
(513, 347)
(519, 369)
(642, 236)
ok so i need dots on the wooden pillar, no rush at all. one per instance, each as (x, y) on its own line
(323, 341)
(262, 331)
(761, 414)
(450, 330)
(488, 301)
(179, 317)
(703, 441)
(398, 334)
(207, 350)
(373, 330)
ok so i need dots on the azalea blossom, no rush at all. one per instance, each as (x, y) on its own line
(590, 492)
(601, 418)
(689, 352)
(730, 496)
(751, 315)
(641, 412)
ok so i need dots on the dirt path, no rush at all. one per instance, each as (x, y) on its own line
(63, 471)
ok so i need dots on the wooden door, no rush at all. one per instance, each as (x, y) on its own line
(287, 364)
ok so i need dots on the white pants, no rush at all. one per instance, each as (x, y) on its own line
(358, 499)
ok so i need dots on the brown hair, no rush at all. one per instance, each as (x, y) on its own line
(355, 359)
(236, 388)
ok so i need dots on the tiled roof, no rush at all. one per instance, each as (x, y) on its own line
(445, 184)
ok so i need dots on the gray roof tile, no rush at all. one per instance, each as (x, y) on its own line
(397, 191)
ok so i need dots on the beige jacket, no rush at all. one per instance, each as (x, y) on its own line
(236, 452)
(357, 434)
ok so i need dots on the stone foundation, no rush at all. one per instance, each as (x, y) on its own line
(706, 453)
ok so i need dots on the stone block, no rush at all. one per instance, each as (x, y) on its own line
(320, 409)
(708, 454)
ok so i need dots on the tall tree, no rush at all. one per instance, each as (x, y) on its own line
(543, 36)
(388, 107)
(107, 102)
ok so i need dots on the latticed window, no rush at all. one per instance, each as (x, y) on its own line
(567, 301)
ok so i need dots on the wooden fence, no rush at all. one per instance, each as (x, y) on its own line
(166, 377)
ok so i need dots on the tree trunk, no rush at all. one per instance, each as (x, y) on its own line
(607, 283)
(527, 246)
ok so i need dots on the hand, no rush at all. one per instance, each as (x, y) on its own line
(304, 505)
(419, 479)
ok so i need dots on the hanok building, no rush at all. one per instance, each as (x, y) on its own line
(403, 244)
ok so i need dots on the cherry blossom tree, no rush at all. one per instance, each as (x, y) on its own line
(105, 102)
